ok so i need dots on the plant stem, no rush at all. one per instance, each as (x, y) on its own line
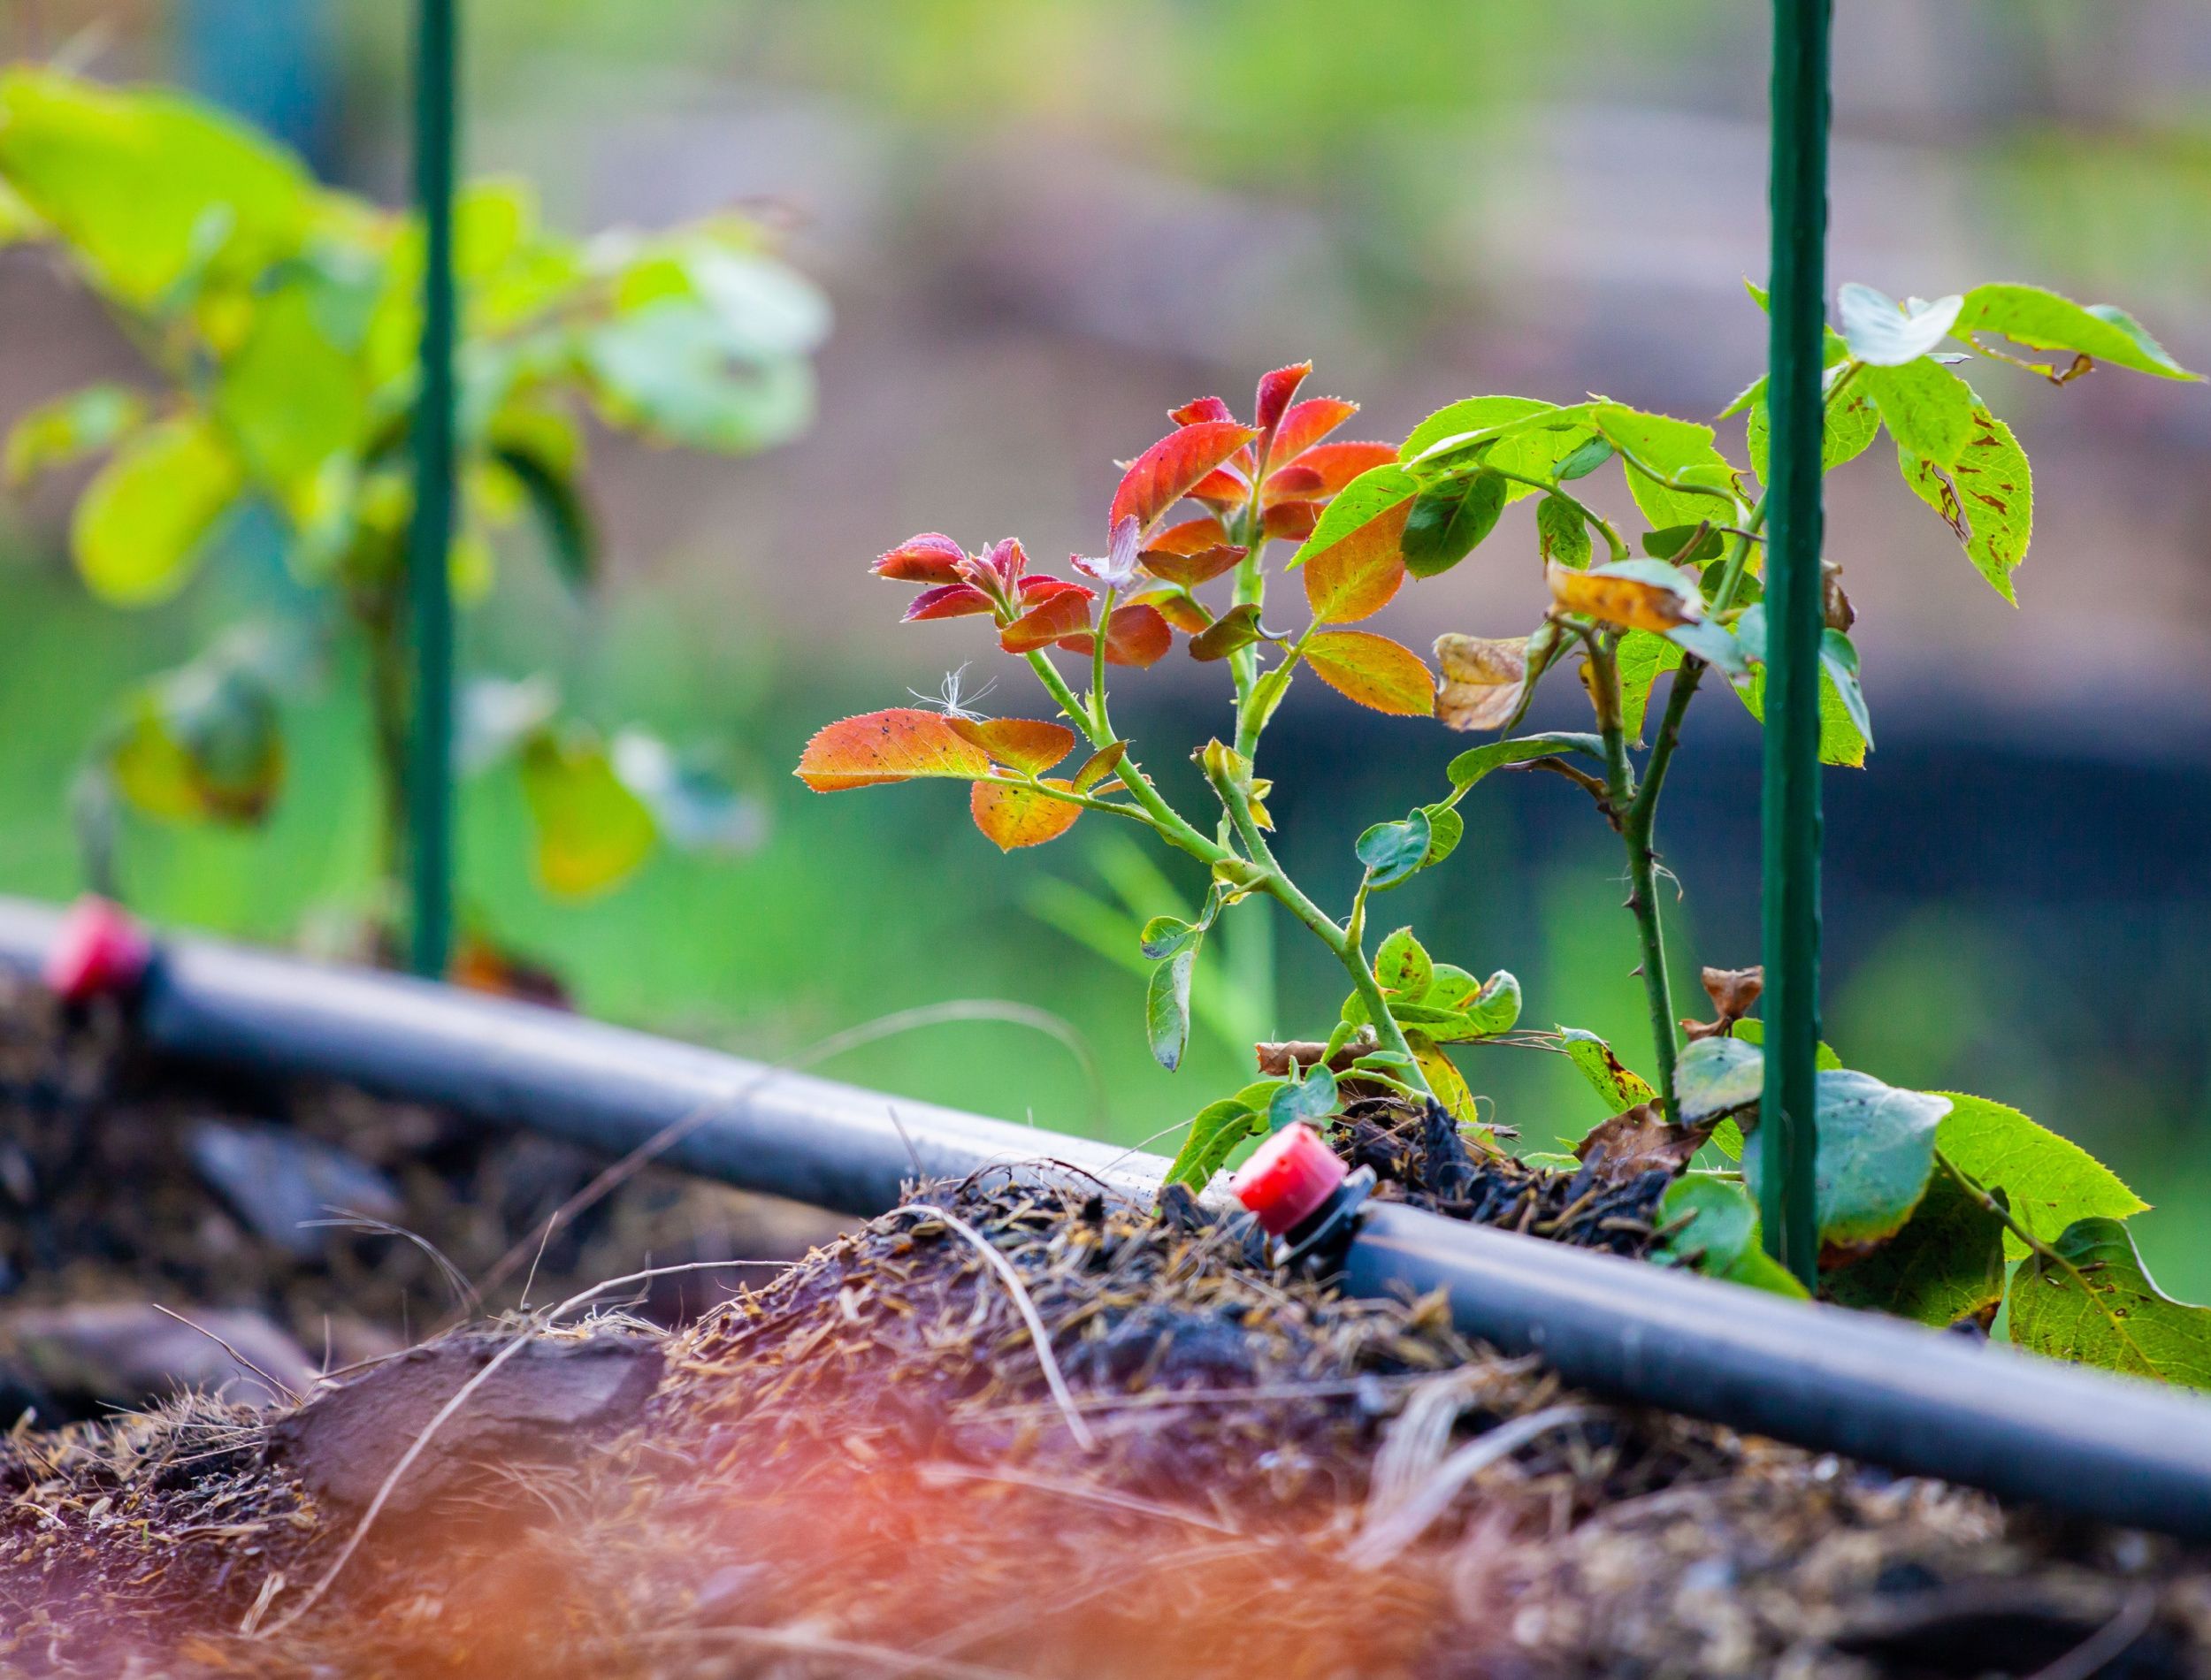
(1642, 897)
(1346, 942)
(1170, 823)
(1606, 528)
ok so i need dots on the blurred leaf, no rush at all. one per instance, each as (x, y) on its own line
(1446, 524)
(2042, 320)
(289, 398)
(204, 744)
(1212, 1137)
(593, 832)
(497, 716)
(1167, 1008)
(1840, 742)
(1947, 1263)
(139, 525)
(1635, 594)
(1722, 1237)
(1671, 545)
(1373, 670)
(1928, 409)
(1717, 1076)
(1838, 664)
(1876, 1155)
(1884, 334)
(1011, 817)
(1852, 424)
(881, 747)
(1476, 762)
(558, 503)
(667, 369)
(2095, 1303)
(146, 189)
(1403, 967)
(2050, 1181)
(1312, 1100)
(693, 809)
(69, 428)
(1617, 1086)
(1987, 499)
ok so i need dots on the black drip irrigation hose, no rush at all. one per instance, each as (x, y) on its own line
(1913, 1400)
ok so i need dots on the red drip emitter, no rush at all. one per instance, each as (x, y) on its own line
(1302, 1195)
(99, 951)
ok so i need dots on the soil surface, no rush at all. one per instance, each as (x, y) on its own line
(1012, 1428)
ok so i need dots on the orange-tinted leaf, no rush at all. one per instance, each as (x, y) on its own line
(1016, 817)
(1640, 594)
(1136, 635)
(1035, 591)
(1063, 612)
(1191, 537)
(947, 600)
(1170, 468)
(1355, 577)
(1292, 521)
(1483, 679)
(881, 747)
(1181, 611)
(931, 558)
(1028, 744)
(1100, 765)
(1190, 570)
(1373, 670)
(1276, 390)
(1309, 422)
(1323, 471)
(1204, 409)
(1223, 487)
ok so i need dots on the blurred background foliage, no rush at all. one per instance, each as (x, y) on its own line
(1041, 224)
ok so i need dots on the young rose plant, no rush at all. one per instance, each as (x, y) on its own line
(1239, 487)
(1927, 1200)
(278, 320)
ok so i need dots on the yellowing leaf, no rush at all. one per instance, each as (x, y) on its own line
(592, 831)
(1483, 679)
(1987, 499)
(1373, 670)
(1016, 817)
(1445, 1080)
(139, 525)
(1357, 577)
(1030, 745)
(1636, 594)
(881, 747)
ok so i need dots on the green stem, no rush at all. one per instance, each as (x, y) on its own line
(1604, 527)
(1258, 706)
(1170, 822)
(1098, 666)
(1642, 898)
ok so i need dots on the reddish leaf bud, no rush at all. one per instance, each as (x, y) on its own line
(931, 558)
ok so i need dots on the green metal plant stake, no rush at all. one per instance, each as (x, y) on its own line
(429, 767)
(1788, 1138)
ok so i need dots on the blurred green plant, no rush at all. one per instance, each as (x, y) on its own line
(278, 318)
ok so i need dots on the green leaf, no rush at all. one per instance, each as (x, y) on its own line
(1987, 499)
(1717, 1076)
(1561, 532)
(1583, 459)
(1404, 968)
(1518, 434)
(2050, 1180)
(668, 370)
(1720, 1234)
(290, 398)
(1840, 741)
(1393, 850)
(1446, 829)
(592, 830)
(559, 505)
(148, 190)
(1312, 1099)
(1672, 544)
(1674, 463)
(1617, 1086)
(2042, 320)
(1884, 334)
(1376, 494)
(70, 428)
(1928, 409)
(1478, 761)
(1212, 1137)
(204, 744)
(694, 809)
(1824, 1057)
(1852, 424)
(1446, 522)
(139, 526)
(1839, 666)
(1458, 1009)
(1876, 1154)
(1164, 935)
(1167, 1008)
(1642, 655)
(1238, 627)
(2096, 1304)
(1947, 1263)
(1714, 643)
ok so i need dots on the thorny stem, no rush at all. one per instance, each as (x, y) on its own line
(1346, 942)
(1170, 822)
(1643, 895)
